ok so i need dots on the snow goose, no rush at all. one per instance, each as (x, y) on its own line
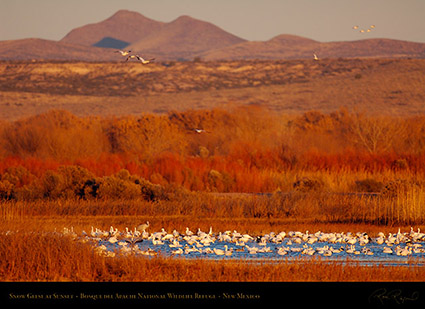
(403, 251)
(123, 52)
(417, 236)
(327, 253)
(251, 250)
(387, 250)
(309, 251)
(246, 238)
(178, 251)
(175, 244)
(143, 227)
(282, 251)
(113, 239)
(380, 239)
(188, 232)
(351, 249)
(140, 59)
(222, 252)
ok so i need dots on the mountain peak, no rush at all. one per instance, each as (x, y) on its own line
(184, 18)
(291, 39)
(184, 37)
(124, 25)
(127, 15)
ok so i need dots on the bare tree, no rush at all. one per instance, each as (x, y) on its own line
(376, 133)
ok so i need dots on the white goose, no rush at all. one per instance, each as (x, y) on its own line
(140, 59)
(178, 251)
(143, 227)
(219, 251)
(387, 250)
(123, 52)
(282, 251)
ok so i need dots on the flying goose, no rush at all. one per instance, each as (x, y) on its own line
(123, 52)
(140, 59)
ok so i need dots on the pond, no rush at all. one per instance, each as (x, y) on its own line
(397, 248)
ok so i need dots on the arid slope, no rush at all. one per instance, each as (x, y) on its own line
(380, 86)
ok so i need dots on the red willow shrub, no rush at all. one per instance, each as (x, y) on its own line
(240, 150)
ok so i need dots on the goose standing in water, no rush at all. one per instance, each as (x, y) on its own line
(143, 227)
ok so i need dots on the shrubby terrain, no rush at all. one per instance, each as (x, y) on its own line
(60, 155)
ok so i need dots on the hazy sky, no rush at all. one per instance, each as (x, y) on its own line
(322, 20)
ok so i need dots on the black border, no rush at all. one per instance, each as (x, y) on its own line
(282, 294)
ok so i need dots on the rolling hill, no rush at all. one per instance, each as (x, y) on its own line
(186, 38)
(40, 49)
(294, 47)
(377, 86)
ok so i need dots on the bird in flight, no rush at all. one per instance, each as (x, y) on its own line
(140, 59)
(123, 52)
(363, 30)
(315, 57)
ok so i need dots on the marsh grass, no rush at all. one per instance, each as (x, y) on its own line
(402, 207)
(54, 257)
(32, 247)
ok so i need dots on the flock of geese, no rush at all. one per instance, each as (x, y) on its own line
(233, 243)
(371, 27)
(357, 28)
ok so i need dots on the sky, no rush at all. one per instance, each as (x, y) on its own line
(255, 20)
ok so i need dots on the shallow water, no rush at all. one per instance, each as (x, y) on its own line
(266, 247)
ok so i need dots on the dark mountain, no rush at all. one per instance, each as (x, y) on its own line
(109, 42)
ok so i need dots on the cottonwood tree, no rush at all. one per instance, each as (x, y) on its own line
(376, 134)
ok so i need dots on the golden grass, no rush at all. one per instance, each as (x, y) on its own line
(53, 257)
(33, 249)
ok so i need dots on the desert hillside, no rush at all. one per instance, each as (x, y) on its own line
(294, 47)
(379, 86)
(187, 38)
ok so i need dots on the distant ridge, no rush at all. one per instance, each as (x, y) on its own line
(40, 49)
(186, 38)
(293, 47)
